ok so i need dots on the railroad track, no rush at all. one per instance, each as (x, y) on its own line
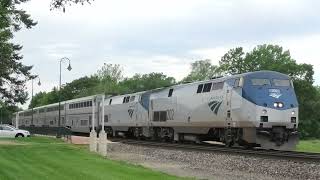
(291, 155)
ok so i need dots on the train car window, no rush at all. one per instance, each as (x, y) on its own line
(110, 101)
(124, 100)
(200, 87)
(106, 118)
(260, 82)
(132, 98)
(90, 103)
(81, 105)
(70, 105)
(63, 120)
(207, 87)
(170, 92)
(84, 122)
(163, 116)
(156, 116)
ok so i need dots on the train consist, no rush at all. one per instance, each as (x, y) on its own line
(251, 109)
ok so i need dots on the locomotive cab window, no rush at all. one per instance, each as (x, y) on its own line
(132, 98)
(207, 87)
(170, 92)
(200, 87)
(281, 82)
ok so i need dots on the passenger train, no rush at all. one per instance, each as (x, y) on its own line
(255, 109)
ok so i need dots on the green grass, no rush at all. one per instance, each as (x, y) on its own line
(309, 146)
(48, 158)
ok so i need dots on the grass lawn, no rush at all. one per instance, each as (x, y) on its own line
(309, 146)
(47, 158)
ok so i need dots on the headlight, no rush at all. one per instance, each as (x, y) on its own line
(293, 112)
(264, 111)
(280, 105)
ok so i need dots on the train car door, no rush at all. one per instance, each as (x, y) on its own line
(236, 94)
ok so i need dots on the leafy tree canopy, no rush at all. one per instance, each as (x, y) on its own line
(13, 74)
(265, 57)
(201, 70)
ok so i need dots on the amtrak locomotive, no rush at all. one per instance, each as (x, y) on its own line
(257, 109)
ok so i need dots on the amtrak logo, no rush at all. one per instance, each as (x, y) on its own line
(214, 106)
(275, 93)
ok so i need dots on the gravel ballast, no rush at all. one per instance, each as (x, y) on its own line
(211, 165)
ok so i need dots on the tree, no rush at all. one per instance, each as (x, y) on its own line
(6, 112)
(110, 72)
(81, 87)
(265, 57)
(201, 70)
(38, 100)
(145, 82)
(13, 74)
(61, 4)
(233, 61)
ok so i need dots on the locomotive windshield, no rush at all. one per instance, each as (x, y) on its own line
(260, 82)
(281, 82)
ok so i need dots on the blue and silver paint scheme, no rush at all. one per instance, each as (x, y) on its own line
(258, 111)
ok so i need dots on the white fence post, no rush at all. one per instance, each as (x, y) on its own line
(103, 134)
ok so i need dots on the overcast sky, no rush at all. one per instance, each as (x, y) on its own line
(163, 35)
